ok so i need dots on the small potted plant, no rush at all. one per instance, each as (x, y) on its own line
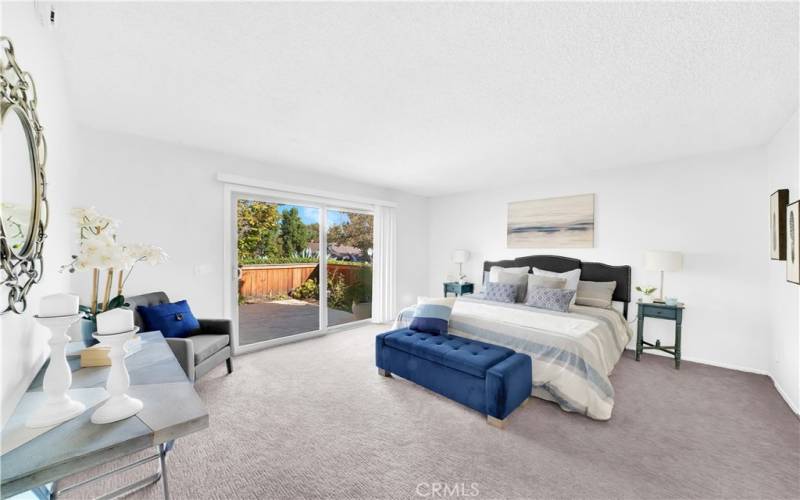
(647, 292)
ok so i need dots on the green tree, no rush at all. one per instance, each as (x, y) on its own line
(294, 235)
(257, 223)
(356, 232)
(313, 231)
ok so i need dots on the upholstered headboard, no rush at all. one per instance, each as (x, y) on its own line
(590, 271)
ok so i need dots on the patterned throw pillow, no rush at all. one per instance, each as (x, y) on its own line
(432, 315)
(500, 292)
(572, 278)
(520, 282)
(553, 299)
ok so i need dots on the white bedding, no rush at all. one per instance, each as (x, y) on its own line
(573, 353)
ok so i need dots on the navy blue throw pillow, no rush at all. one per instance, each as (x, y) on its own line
(173, 320)
(431, 316)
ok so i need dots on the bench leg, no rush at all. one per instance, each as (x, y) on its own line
(496, 422)
(229, 363)
(384, 373)
(501, 424)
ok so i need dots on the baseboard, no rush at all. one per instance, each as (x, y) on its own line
(707, 362)
(726, 365)
(785, 397)
(756, 371)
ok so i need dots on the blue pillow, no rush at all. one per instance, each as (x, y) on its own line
(432, 317)
(500, 292)
(173, 320)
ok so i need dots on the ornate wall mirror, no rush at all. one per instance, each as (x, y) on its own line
(23, 207)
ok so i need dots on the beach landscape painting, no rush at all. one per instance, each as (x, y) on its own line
(565, 222)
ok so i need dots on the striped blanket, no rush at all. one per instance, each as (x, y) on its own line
(573, 353)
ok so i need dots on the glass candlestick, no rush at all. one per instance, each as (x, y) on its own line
(58, 406)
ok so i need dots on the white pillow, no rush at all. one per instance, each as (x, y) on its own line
(494, 272)
(572, 277)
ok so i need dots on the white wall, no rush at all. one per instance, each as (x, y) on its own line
(24, 345)
(168, 195)
(784, 361)
(711, 208)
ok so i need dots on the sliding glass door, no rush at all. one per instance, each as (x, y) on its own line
(349, 264)
(278, 261)
(302, 267)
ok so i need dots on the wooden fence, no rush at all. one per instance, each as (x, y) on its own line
(279, 279)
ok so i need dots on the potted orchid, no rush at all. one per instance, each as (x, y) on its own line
(101, 252)
(647, 293)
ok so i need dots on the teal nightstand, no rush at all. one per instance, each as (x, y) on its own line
(661, 311)
(458, 288)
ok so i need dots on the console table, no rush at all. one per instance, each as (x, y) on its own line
(36, 459)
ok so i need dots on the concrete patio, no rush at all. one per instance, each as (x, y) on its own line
(274, 320)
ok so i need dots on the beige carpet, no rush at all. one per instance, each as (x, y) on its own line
(314, 420)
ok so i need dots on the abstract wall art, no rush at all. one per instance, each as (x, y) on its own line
(565, 222)
(793, 242)
(777, 224)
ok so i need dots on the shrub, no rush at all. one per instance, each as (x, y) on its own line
(308, 290)
(337, 292)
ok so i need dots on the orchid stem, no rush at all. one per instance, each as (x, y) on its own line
(120, 282)
(109, 282)
(95, 286)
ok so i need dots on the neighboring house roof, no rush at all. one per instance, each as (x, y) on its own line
(344, 252)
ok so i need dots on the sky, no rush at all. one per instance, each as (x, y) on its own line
(311, 215)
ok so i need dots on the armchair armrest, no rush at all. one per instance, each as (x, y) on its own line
(183, 349)
(215, 326)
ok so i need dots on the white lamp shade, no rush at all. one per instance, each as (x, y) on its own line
(659, 260)
(460, 256)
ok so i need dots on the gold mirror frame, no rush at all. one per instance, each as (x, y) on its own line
(23, 268)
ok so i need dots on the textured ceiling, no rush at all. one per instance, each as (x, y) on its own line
(437, 98)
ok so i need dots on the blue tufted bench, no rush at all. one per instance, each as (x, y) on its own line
(491, 379)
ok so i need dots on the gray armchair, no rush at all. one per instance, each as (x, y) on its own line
(202, 350)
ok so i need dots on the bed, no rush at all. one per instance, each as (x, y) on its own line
(573, 353)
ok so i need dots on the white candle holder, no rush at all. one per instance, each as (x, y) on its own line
(119, 405)
(58, 406)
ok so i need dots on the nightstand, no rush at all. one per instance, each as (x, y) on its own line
(458, 288)
(660, 311)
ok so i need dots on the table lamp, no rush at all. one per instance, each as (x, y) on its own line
(660, 260)
(459, 257)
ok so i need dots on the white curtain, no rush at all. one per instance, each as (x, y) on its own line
(384, 268)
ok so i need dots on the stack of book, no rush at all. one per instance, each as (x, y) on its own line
(97, 355)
